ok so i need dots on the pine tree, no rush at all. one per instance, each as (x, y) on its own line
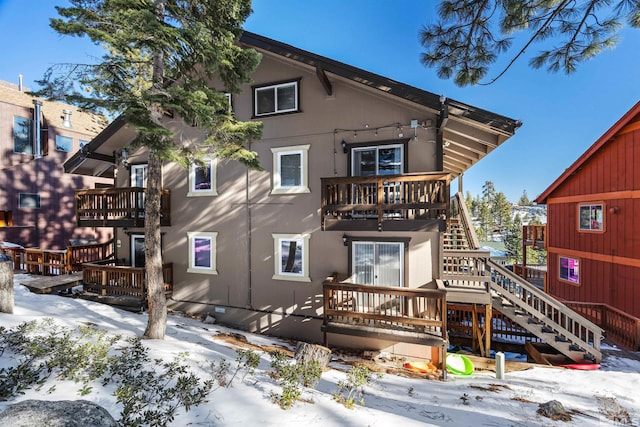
(501, 211)
(161, 57)
(513, 239)
(471, 34)
(524, 199)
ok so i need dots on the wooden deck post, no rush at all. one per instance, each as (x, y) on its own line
(104, 283)
(488, 320)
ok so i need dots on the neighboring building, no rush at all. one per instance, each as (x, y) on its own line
(253, 248)
(593, 232)
(36, 196)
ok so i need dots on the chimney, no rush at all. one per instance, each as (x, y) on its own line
(20, 86)
(37, 128)
(66, 121)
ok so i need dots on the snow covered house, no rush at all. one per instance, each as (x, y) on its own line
(342, 237)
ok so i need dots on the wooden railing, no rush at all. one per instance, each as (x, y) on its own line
(528, 298)
(620, 327)
(115, 280)
(534, 235)
(460, 212)
(117, 207)
(384, 198)
(80, 254)
(392, 308)
(533, 274)
(465, 268)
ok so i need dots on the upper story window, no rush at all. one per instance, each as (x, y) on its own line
(64, 143)
(591, 217)
(290, 169)
(22, 135)
(202, 178)
(276, 98)
(378, 160)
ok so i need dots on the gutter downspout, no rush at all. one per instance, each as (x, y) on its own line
(249, 236)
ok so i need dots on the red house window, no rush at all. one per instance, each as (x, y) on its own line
(570, 270)
(591, 217)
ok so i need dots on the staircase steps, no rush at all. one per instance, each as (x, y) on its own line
(526, 305)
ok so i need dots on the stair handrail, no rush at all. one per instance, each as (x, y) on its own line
(584, 323)
(465, 218)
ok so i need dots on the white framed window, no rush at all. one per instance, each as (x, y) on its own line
(139, 175)
(202, 178)
(291, 257)
(202, 252)
(275, 99)
(570, 270)
(290, 170)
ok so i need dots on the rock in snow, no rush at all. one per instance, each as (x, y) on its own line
(62, 413)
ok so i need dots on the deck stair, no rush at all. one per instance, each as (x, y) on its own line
(537, 312)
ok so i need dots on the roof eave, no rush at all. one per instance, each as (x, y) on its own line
(606, 137)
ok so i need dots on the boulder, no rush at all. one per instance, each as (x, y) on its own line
(63, 413)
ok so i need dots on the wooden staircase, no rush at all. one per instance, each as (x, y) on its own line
(540, 314)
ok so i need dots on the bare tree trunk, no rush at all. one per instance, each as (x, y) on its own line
(6, 285)
(157, 302)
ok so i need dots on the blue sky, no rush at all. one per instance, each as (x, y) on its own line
(562, 115)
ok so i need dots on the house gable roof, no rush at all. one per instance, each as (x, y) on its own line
(591, 151)
(469, 135)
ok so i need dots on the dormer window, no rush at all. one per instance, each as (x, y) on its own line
(276, 98)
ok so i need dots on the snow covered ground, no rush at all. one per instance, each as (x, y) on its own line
(478, 400)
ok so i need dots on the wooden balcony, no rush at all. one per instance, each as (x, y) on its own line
(117, 207)
(410, 202)
(393, 313)
(121, 281)
(534, 235)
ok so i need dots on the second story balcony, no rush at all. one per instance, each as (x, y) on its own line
(408, 202)
(117, 207)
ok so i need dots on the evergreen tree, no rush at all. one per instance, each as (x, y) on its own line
(513, 239)
(471, 34)
(161, 57)
(468, 200)
(524, 199)
(501, 211)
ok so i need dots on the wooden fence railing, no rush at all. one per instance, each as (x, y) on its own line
(620, 327)
(385, 197)
(117, 207)
(386, 307)
(121, 281)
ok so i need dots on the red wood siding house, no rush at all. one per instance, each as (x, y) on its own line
(593, 222)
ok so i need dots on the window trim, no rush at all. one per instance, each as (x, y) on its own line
(213, 191)
(277, 257)
(275, 86)
(278, 152)
(591, 205)
(37, 196)
(213, 237)
(560, 278)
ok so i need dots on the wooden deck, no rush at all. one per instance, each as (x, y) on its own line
(51, 284)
